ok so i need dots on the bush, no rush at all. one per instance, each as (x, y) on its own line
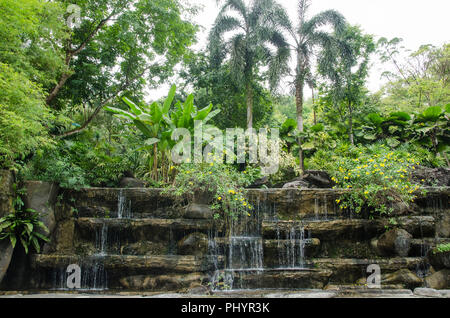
(77, 164)
(24, 117)
(22, 225)
(223, 181)
(377, 176)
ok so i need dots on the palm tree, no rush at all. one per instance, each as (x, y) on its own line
(256, 39)
(307, 37)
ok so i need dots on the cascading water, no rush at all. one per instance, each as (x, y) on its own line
(245, 251)
(291, 251)
(123, 207)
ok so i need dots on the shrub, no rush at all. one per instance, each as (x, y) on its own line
(22, 225)
(377, 176)
(223, 181)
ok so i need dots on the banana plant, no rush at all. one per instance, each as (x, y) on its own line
(157, 123)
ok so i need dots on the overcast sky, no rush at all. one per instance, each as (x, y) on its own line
(417, 22)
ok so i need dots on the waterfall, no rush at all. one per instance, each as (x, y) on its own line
(101, 240)
(123, 207)
(316, 208)
(93, 276)
(292, 254)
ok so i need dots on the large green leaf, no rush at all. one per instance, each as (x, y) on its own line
(375, 118)
(120, 112)
(134, 108)
(143, 128)
(169, 100)
(432, 113)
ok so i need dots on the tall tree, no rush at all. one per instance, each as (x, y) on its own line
(345, 69)
(417, 80)
(119, 45)
(256, 40)
(308, 36)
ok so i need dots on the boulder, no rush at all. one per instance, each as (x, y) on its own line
(127, 182)
(198, 211)
(404, 277)
(41, 196)
(439, 280)
(299, 184)
(6, 207)
(433, 177)
(193, 244)
(311, 179)
(439, 260)
(443, 226)
(396, 242)
(6, 252)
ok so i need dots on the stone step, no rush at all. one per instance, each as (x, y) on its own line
(132, 230)
(280, 204)
(349, 270)
(154, 263)
(356, 229)
(272, 279)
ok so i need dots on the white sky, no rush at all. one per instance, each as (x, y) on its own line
(417, 22)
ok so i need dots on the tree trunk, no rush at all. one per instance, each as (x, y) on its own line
(155, 162)
(314, 107)
(350, 125)
(299, 101)
(249, 92)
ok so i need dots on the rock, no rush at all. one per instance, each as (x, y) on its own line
(198, 211)
(127, 182)
(432, 177)
(258, 183)
(404, 277)
(443, 226)
(6, 207)
(311, 179)
(439, 260)
(193, 244)
(418, 226)
(395, 242)
(198, 290)
(6, 252)
(64, 236)
(439, 280)
(296, 184)
(161, 282)
(41, 196)
(427, 292)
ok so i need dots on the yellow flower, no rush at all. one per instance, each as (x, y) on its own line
(337, 201)
(219, 198)
(366, 192)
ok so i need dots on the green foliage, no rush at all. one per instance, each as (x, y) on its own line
(429, 129)
(22, 225)
(24, 117)
(79, 163)
(419, 79)
(222, 181)
(31, 33)
(157, 123)
(378, 178)
(442, 248)
(255, 31)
